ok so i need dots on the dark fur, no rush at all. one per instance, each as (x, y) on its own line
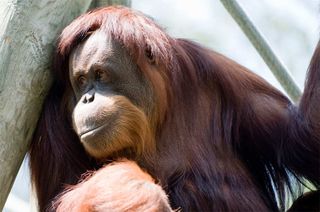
(306, 203)
(229, 141)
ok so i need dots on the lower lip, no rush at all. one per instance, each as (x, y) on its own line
(91, 132)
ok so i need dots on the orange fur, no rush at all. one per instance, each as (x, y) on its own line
(122, 186)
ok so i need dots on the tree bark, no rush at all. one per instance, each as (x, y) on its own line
(28, 32)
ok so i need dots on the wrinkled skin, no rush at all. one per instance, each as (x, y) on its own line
(112, 95)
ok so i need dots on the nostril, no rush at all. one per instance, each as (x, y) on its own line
(84, 99)
(88, 97)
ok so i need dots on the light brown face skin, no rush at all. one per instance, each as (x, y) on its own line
(113, 97)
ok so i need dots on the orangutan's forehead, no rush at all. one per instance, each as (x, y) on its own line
(97, 49)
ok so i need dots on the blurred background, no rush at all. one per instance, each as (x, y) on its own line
(290, 26)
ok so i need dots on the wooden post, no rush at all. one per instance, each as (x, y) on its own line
(28, 31)
(101, 3)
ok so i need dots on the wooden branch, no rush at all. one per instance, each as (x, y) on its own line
(28, 32)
